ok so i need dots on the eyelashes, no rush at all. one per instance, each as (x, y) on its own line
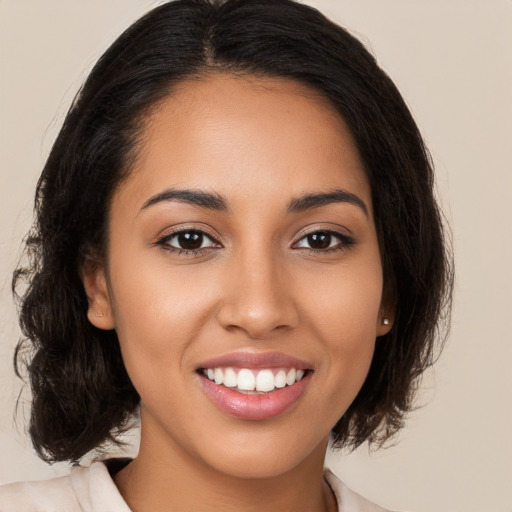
(324, 240)
(188, 242)
(194, 242)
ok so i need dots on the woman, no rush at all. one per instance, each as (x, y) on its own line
(236, 236)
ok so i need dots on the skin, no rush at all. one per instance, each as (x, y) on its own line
(258, 287)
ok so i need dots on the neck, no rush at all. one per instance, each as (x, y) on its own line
(165, 478)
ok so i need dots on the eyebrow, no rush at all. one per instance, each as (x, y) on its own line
(214, 201)
(309, 201)
(211, 201)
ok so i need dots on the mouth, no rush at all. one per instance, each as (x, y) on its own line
(254, 386)
(254, 381)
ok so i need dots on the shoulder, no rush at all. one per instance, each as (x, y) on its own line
(348, 500)
(86, 489)
(39, 496)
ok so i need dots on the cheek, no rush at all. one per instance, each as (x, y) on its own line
(158, 314)
(348, 303)
(346, 316)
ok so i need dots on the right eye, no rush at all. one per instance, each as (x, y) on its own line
(189, 240)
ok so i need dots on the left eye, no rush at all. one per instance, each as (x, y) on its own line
(321, 240)
(190, 240)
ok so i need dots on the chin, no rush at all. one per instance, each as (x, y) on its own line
(265, 456)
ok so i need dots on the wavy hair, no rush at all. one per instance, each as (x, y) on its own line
(82, 396)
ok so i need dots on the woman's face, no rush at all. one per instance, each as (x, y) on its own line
(242, 249)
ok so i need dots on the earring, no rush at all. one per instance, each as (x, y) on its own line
(385, 321)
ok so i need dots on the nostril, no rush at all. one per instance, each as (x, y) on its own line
(258, 310)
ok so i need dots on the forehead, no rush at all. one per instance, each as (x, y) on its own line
(239, 134)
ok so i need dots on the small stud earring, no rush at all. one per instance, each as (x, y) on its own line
(385, 321)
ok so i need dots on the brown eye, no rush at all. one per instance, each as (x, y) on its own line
(324, 240)
(190, 240)
(320, 240)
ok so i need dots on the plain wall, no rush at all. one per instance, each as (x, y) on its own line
(452, 61)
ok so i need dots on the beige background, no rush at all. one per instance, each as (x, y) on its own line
(452, 61)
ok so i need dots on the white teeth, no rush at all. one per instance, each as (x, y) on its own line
(218, 376)
(265, 381)
(280, 379)
(247, 379)
(230, 379)
(290, 378)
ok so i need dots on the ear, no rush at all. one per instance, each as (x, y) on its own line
(100, 312)
(386, 316)
(385, 321)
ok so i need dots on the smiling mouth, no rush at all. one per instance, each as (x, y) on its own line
(252, 381)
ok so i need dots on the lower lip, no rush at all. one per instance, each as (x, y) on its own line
(254, 407)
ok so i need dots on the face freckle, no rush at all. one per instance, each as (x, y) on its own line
(246, 227)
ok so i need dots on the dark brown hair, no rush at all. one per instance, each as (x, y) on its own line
(82, 396)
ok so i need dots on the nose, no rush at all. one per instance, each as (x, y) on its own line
(257, 298)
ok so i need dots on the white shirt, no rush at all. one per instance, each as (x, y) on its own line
(91, 489)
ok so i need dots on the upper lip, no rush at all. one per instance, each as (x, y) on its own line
(255, 361)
